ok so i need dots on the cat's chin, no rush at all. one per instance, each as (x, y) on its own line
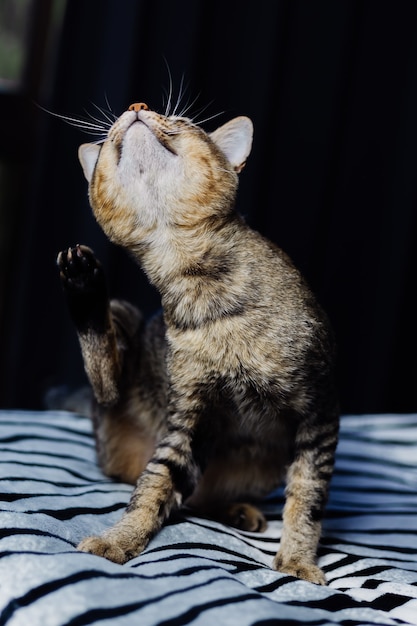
(135, 136)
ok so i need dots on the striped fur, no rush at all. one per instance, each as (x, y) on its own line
(231, 389)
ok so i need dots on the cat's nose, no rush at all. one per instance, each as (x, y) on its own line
(139, 106)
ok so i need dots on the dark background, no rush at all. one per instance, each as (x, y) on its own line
(331, 87)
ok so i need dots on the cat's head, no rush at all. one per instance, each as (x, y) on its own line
(154, 171)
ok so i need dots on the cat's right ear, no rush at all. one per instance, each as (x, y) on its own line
(88, 155)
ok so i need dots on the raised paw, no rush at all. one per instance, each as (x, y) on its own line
(105, 548)
(306, 571)
(79, 270)
(84, 284)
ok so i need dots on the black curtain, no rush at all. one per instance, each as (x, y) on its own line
(332, 91)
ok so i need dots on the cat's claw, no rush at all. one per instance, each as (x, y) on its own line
(306, 571)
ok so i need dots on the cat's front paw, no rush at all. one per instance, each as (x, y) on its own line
(106, 548)
(306, 571)
(84, 284)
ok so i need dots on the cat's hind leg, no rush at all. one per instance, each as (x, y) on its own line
(241, 515)
(218, 495)
(84, 285)
(108, 336)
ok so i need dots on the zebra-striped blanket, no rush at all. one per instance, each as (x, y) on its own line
(197, 571)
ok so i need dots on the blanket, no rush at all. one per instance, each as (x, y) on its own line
(197, 571)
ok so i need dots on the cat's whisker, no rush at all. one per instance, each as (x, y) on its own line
(165, 102)
(167, 105)
(211, 117)
(102, 123)
(84, 125)
(106, 115)
(189, 106)
(95, 127)
(108, 104)
(113, 117)
(179, 96)
(169, 94)
(105, 123)
(181, 93)
(180, 109)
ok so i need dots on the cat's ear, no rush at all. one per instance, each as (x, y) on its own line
(88, 155)
(235, 140)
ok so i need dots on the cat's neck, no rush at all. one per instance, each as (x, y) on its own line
(171, 251)
(191, 267)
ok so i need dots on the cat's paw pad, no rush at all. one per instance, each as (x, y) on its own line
(306, 571)
(79, 270)
(245, 517)
(84, 284)
(105, 548)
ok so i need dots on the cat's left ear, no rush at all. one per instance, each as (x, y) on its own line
(235, 140)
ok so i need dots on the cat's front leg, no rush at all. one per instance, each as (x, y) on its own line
(306, 495)
(168, 479)
(153, 498)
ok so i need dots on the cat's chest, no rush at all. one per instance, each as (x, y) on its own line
(255, 339)
(253, 364)
(221, 347)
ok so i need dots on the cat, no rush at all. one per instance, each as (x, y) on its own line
(230, 390)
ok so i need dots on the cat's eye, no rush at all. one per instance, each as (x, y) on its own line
(178, 126)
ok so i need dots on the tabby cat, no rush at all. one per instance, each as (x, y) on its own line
(230, 390)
